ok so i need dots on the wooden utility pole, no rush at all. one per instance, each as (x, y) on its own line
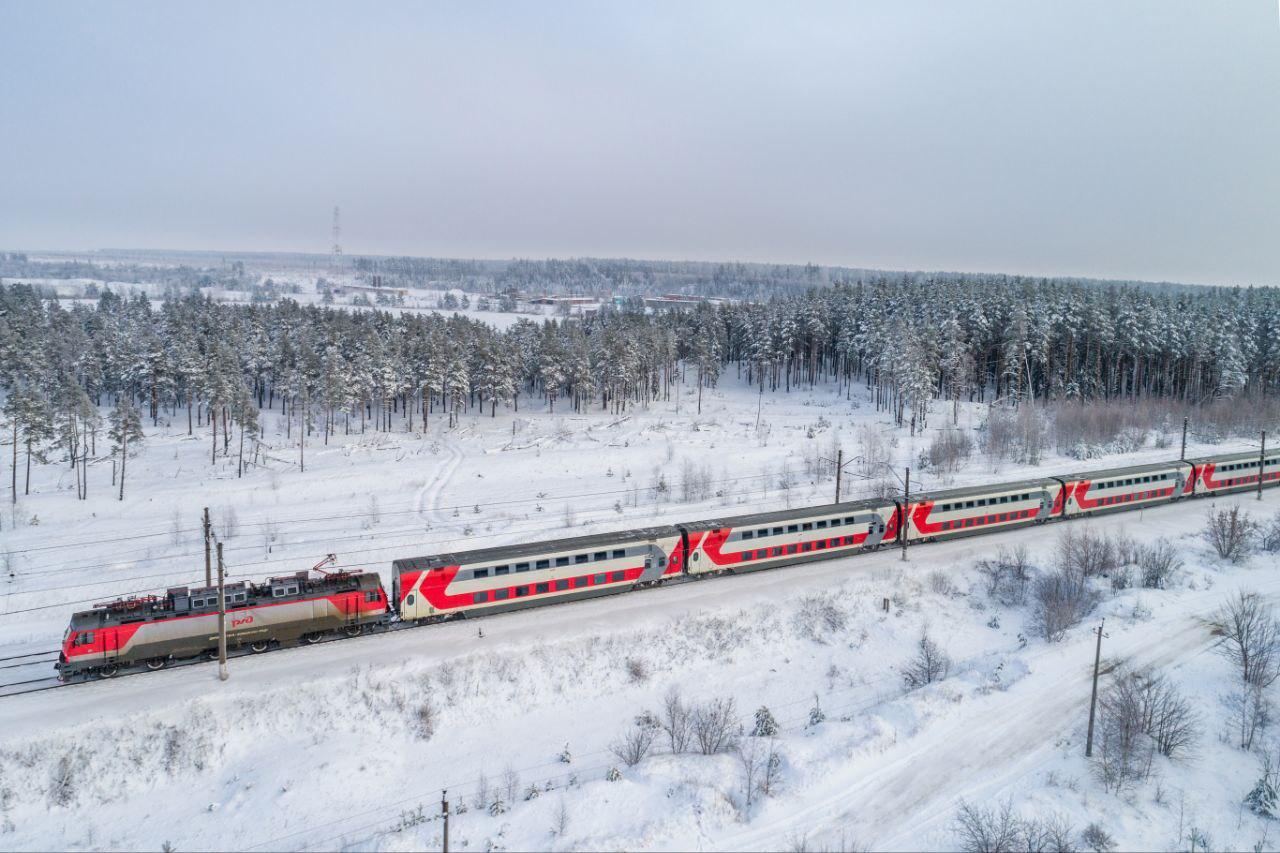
(1093, 701)
(444, 812)
(906, 511)
(1183, 457)
(208, 560)
(1262, 463)
(222, 618)
(839, 471)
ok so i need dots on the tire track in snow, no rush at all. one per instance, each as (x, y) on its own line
(894, 798)
(427, 500)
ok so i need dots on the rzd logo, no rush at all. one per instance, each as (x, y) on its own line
(247, 620)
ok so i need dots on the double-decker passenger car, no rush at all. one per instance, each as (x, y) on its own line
(155, 630)
(770, 539)
(1125, 488)
(491, 580)
(980, 509)
(1233, 472)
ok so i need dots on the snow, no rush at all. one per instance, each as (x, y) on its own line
(324, 747)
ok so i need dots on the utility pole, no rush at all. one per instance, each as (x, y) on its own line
(1183, 457)
(208, 563)
(906, 510)
(222, 619)
(839, 471)
(444, 812)
(1262, 463)
(1093, 701)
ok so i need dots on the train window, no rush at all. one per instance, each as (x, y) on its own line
(562, 561)
(371, 596)
(542, 587)
(619, 553)
(521, 591)
(580, 582)
(581, 558)
(601, 578)
(522, 567)
(501, 594)
(762, 532)
(806, 526)
(820, 524)
(777, 552)
(793, 528)
(409, 600)
(84, 638)
(850, 519)
(835, 522)
(748, 555)
(821, 543)
(544, 564)
(562, 584)
(277, 592)
(501, 570)
(480, 573)
(617, 576)
(600, 555)
(968, 505)
(480, 598)
(748, 534)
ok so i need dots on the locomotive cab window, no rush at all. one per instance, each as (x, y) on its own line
(371, 596)
(84, 638)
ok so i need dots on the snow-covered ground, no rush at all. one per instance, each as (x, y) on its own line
(348, 744)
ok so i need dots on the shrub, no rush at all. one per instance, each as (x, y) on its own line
(714, 726)
(1231, 532)
(1062, 598)
(1157, 562)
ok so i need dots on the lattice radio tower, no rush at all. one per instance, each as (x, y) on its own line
(335, 259)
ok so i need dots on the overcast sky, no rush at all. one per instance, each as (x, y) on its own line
(1113, 139)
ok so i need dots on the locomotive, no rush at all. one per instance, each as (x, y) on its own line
(153, 631)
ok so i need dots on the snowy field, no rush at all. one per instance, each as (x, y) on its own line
(348, 744)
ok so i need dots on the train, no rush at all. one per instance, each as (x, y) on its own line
(152, 632)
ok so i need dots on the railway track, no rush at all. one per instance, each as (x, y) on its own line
(18, 666)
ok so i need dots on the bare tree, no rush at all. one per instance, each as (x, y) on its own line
(714, 725)
(1097, 839)
(676, 721)
(980, 830)
(1251, 714)
(1006, 576)
(1269, 538)
(1085, 552)
(931, 663)
(1062, 598)
(751, 758)
(1249, 637)
(634, 745)
(1231, 532)
(1157, 562)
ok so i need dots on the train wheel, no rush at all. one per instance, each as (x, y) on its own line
(312, 638)
(108, 671)
(259, 647)
(353, 630)
(155, 663)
